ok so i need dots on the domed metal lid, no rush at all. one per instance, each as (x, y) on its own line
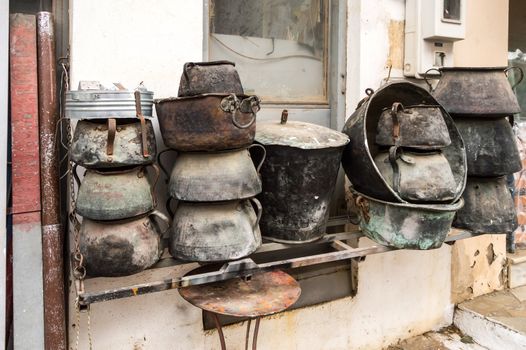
(298, 134)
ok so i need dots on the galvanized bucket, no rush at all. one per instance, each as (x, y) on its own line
(299, 177)
(208, 122)
(215, 176)
(112, 143)
(489, 207)
(82, 104)
(115, 195)
(361, 127)
(404, 225)
(210, 77)
(123, 247)
(215, 231)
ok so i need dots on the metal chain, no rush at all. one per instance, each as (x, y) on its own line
(79, 270)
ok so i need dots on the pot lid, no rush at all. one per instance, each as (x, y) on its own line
(298, 134)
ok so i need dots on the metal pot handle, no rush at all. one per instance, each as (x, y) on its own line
(363, 206)
(156, 179)
(168, 206)
(427, 81)
(264, 154)
(259, 211)
(163, 168)
(248, 105)
(112, 129)
(369, 92)
(521, 75)
(166, 220)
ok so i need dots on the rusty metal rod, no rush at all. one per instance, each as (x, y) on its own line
(52, 233)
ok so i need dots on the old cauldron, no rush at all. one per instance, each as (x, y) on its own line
(491, 149)
(405, 225)
(489, 207)
(112, 143)
(123, 247)
(215, 176)
(477, 91)
(299, 176)
(209, 77)
(361, 127)
(215, 231)
(418, 176)
(115, 195)
(208, 122)
(418, 127)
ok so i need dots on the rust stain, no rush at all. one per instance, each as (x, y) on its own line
(135, 291)
(396, 44)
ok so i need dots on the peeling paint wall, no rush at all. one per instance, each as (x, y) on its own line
(478, 267)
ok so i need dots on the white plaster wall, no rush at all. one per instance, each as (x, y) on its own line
(400, 294)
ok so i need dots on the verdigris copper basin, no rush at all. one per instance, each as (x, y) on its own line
(115, 195)
(476, 91)
(405, 225)
(208, 122)
(112, 143)
(361, 127)
(123, 247)
(215, 176)
(489, 207)
(215, 231)
(491, 148)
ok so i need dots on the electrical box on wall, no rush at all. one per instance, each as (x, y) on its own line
(431, 27)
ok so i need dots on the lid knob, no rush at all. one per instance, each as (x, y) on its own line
(284, 116)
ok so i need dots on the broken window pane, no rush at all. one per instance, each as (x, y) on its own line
(452, 10)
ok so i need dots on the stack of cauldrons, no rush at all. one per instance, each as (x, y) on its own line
(482, 104)
(407, 166)
(211, 125)
(115, 143)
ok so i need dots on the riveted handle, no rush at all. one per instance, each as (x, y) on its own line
(521, 76)
(427, 81)
(138, 111)
(163, 168)
(163, 218)
(259, 211)
(396, 107)
(262, 158)
(248, 105)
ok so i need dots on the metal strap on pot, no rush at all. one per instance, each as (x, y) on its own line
(138, 111)
(393, 155)
(397, 107)
(112, 129)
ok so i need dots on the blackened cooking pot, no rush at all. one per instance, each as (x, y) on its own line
(209, 77)
(477, 91)
(489, 207)
(208, 122)
(122, 247)
(491, 148)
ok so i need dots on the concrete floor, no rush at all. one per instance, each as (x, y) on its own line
(495, 321)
